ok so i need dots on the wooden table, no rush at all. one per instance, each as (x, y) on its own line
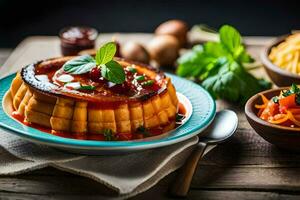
(246, 167)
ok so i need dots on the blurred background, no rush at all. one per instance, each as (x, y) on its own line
(20, 19)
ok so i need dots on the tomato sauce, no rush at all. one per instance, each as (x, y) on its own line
(101, 137)
(136, 87)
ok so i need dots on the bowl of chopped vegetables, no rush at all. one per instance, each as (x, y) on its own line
(281, 60)
(275, 115)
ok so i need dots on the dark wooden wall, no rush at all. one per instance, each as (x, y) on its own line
(19, 19)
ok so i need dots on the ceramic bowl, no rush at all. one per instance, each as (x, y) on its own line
(278, 75)
(281, 136)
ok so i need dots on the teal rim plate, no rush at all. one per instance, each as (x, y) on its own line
(203, 112)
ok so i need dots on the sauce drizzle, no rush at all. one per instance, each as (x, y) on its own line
(101, 137)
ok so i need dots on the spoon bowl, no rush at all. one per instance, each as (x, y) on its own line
(222, 128)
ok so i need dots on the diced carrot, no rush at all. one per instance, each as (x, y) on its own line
(288, 102)
(271, 110)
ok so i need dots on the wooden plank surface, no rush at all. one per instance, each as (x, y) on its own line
(245, 167)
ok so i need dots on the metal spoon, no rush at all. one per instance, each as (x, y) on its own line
(223, 126)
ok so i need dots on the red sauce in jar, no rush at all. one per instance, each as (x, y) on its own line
(76, 39)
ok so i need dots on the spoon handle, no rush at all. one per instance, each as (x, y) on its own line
(185, 175)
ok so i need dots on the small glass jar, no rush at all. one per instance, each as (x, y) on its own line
(75, 39)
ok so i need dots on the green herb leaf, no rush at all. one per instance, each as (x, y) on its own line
(113, 72)
(140, 78)
(193, 63)
(106, 53)
(179, 117)
(293, 90)
(87, 87)
(219, 67)
(143, 130)
(148, 83)
(108, 135)
(230, 38)
(132, 69)
(79, 65)
(275, 99)
(214, 49)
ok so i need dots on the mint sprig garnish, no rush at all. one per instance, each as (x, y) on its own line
(106, 53)
(113, 72)
(80, 65)
(110, 69)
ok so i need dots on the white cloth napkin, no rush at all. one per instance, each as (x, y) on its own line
(127, 174)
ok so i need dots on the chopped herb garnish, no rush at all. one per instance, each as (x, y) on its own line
(179, 117)
(143, 130)
(87, 87)
(132, 69)
(275, 99)
(148, 83)
(108, 135)
(140, 78)
(293, 90)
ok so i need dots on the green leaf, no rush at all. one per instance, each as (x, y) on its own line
(219, 65)
(244, 57)
(148, 83)
(191, 55)
(275, 99)
(230, 38)
(233, 83)
(113, 72)
(106, 53)
(293, 90)
(213, 67)
(79, 65)
(223, 85)
(132, 70)
(108, 135)
(87, 87)
(193, 63)
(179, 117)
(140, 78)
(143, 130)
(214, 49)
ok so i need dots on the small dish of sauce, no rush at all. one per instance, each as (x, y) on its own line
(75, 39)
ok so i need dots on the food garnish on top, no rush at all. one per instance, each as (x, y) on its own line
(283, 109)
(286, 55)
(84, 96)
